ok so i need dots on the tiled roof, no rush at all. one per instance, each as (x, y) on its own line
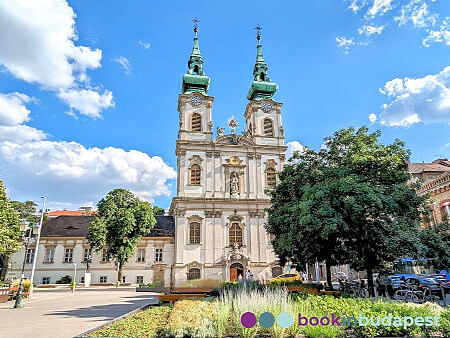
(77, 226)
(416, 168)
(65, 213)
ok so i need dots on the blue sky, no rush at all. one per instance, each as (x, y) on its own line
(89, 89)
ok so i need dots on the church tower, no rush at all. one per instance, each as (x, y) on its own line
(219, 211)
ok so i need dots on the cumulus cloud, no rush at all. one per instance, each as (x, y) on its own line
(441, 34)
(145, 45)
(424, 100)
(37, 45)
(293, 146)
(125, 63)
(417, 13)
(67, 172)
(87, 101)
(372, 118)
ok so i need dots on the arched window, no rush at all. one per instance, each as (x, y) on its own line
(235, 234)
(268, 128)
(196, 70)
(193, 273)
(271, 178)
(261, 76)
(195, 173)
(196, 122)
(194, 233)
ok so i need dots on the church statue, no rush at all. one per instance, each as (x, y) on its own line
(234, 184)
(220, 131)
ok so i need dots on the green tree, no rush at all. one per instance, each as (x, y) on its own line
(354, 205)
(435, 242)
(122, 219)
(9, 230)
(304, 217)
(26, 210)
(157, 211)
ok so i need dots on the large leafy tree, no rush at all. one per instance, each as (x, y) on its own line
(360, 208)
(436, 244)
(122, 219)
(26, 210)
(9, 230)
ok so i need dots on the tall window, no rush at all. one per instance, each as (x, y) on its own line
(195, 173)
(271, 178)
(196, 122)
(158, 255)
(69, 255)
(235, 234)
(193, 273)
(268, 129)
(141, 255)
(105, 257)
(49, 254)
(30, 254)
(87, 254)
(194, 233)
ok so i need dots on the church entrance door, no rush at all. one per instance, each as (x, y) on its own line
(236, 269)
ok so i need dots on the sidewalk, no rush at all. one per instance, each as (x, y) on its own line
(61, 313)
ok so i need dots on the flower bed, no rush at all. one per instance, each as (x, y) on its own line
(221, 317)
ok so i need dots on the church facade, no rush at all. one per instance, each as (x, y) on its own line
(215, 227)
(219, 211)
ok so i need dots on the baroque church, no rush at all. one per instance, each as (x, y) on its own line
(215, 227)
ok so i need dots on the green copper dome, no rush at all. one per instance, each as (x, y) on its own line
(261, 87)
(195, 80)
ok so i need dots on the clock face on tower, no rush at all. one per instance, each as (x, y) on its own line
(196, 100)
(266, 107)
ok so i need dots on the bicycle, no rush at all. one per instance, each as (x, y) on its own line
(410, 294)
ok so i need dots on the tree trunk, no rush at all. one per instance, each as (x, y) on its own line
(370, 285)
(3, 266)
(328, 266)
(119, 272)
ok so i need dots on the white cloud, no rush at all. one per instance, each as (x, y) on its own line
(369, 30)
(88, 102)
(442, 34)
(379, 7)
(292, 147)
(343, 42)
(67, 171)
(424, 100)
(372, 118)
(12, 109)
(125, 63)
(417, 13)
(145, 45)
(37, 45)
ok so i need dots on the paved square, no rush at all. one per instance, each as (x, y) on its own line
(61, 313)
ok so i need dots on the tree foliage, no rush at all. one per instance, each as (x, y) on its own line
(157, 211)
(122, 219)
(436, 244)
(9, 225)
(353, 205)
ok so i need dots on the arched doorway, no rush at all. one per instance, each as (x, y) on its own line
(236, 269)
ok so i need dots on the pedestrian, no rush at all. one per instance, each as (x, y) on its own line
(240, 278)
(249, 275)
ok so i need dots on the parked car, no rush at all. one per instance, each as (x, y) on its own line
(287, 277)
(421, 283)
(441, 280)
(340, 276)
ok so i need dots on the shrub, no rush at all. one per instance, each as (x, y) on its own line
(151, 285)
(204, 283)
(147, 323)
(64, 280)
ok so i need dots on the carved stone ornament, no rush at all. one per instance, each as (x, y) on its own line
(220, 131)
(217, 154)
(180, 212)
(271, 163)
(195, 160)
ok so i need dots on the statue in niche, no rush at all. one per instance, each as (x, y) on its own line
(234, 184)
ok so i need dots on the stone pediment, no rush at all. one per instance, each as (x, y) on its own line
(234, 139)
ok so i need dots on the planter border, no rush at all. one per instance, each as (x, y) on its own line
(83, 335)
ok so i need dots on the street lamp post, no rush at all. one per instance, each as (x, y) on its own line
(37, 241)
(24, 227)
